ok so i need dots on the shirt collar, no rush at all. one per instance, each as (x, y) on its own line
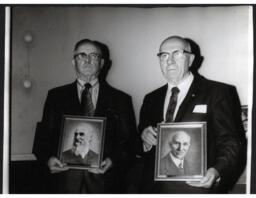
(184, 84)
(82, 83)
(176, 160)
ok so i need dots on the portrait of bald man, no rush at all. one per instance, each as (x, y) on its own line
(81, 152)
(174, 163)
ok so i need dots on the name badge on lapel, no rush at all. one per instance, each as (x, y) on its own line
(200, 109)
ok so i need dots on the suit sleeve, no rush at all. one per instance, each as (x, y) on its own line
(47, 137)
(226, 124)
(144, 122)
(125, 138)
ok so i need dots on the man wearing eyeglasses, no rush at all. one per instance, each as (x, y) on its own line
(189, 97)
(81, 152)
(90, 96)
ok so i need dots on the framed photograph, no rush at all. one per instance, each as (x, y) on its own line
(82, 141)
(181, 151)
(244, 116)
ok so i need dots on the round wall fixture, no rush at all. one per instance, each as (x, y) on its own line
(28, 39)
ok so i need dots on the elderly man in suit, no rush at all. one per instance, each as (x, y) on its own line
(89, 95)
(174, 163)
(81, 152)
(190, 97)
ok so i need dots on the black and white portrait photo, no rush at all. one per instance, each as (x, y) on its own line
(181, 151)
(82, 142)
(129, 98)
(174, 162)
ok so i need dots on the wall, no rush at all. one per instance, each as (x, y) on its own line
(133, 36)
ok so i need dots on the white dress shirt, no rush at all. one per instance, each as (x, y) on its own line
(177, 161)
(94, 90)
(183, 87)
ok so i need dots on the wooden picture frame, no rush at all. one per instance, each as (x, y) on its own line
(82, 141)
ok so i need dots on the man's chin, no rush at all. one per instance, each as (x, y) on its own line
(172, 79)
(181, 157)
(77, 145)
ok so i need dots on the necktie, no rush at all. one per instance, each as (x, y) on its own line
(86, 101)
(180, 166)
(172, 104)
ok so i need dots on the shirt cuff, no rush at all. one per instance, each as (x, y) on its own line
(145, 148)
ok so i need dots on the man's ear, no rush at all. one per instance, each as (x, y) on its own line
(102, 62)
(191, 59)
(73, 62)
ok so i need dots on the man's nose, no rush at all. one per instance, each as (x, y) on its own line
(87, 59)
(170, 59)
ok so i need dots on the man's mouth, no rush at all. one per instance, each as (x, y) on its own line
(180, 153)
(78, 142)
(171, 68)
(87, 67)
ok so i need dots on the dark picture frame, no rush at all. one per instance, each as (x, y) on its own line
(171, 137)
(82, 141)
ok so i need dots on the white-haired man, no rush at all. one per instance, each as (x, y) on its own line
(81, 152)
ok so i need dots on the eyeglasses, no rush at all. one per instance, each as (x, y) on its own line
(177, 54)
(83, 56)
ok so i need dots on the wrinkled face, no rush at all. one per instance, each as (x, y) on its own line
(175, 59)
(180, 145)
(82, 137)
(87, 61)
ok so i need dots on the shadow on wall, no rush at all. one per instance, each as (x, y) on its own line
(198, 57)
(107, 64)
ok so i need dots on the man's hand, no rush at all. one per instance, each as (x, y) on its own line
(208, 180)
(56, 165)
(148, 136)
(105, 165)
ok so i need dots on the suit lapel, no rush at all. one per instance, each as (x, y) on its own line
(159, 107)
(74, 100)
(102, 101)
(191, 95)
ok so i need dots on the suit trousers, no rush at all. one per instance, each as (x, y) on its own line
(79, 181)
(179, 187)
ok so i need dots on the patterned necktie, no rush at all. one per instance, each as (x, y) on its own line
(86, 101)
(172, 105)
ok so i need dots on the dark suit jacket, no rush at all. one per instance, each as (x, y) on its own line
(223, 125)
(91, 158)
(120, 135)
(168, 167)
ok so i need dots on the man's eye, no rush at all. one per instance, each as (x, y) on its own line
(178, 53)
(164, 56)
(82, 55)
(93, 55)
